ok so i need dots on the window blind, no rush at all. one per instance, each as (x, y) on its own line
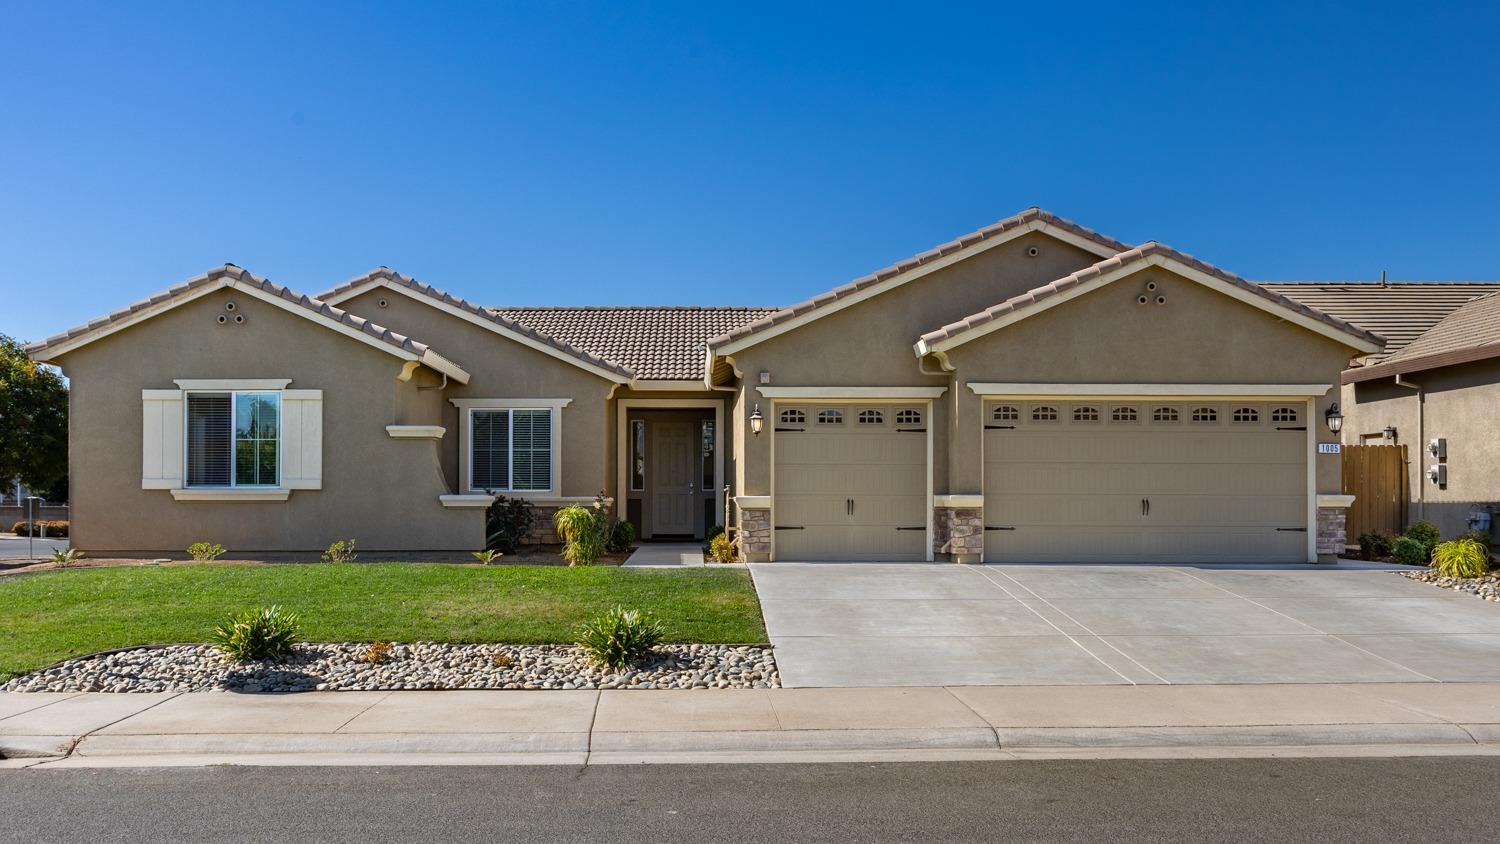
(489, 457)
(531, 449)
(209, 419)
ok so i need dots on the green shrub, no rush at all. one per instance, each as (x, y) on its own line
(1375, 545)
(1463, 557)
(506, 523)
(487, 557)
(721, 549)
(708, 541)
(205, 552)
(42, 527)
(1480, 536)
(266, 633)
(621, 536)
(341, 551)
(66, 557)
(1426, 533)
(582, 530)
(620, 637)
(1409, 551)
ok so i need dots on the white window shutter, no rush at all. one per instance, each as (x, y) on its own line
(161, 439)
(302, 439)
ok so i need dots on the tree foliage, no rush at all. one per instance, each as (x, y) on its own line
(33, 420)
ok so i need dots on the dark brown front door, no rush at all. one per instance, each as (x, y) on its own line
(674, 492)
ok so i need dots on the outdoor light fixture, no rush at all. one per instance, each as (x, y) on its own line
(756, 421)
(1389, 433)
(1334, 418)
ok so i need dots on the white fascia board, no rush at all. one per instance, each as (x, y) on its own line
(550, 351)
(1315, 325)
(851, 393)
(232, 383)
(1023, 389)
(65, 346)
(911, 275)
(668, 386)
(510, 403)
(367, 284)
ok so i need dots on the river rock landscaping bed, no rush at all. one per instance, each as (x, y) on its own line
(1487, 587)
(422, 665)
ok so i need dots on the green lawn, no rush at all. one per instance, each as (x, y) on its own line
(54, 615)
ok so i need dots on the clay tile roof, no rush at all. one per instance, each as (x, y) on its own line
(584, 354)
(1124, 259)
(657, 343)
(1399, 311)
(1025, 218)
(241, 276)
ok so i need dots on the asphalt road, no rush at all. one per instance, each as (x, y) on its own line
(1325, 800)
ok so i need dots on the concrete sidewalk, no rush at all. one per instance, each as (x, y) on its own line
(589, 727)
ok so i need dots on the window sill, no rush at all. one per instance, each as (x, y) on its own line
(229, 494)
(466, 502)
(415, 432)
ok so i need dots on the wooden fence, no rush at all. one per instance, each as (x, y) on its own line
(1376, 476)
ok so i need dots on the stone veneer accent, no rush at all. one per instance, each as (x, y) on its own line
(542, 532)
(755, 534)
(1331, 530)
(958, 531)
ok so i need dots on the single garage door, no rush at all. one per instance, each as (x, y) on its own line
(851, 482)
(1145, 481)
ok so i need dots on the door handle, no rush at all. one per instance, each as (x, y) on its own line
(1145, 506)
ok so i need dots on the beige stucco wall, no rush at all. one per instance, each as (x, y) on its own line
(1461, 404)
(870, 343)
(501, 368)
(1200, 336)
(379, 491)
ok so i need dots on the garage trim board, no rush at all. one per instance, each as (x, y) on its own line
(891, 401)
(1301, 397)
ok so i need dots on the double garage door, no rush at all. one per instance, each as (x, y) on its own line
(1152, 481)
(850, 482)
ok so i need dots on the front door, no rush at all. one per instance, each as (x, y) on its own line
(674, 492)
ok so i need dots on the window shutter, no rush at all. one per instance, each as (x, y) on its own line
(161, 439)
(302, 439)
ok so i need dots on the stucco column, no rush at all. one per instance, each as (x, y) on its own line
(965, 439)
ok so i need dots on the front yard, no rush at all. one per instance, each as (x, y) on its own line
(51, 616)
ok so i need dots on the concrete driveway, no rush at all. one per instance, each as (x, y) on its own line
(837, 625)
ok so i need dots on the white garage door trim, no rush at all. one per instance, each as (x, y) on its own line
(834, 395)
(1308, 393)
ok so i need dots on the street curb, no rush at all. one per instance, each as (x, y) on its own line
(32, 747)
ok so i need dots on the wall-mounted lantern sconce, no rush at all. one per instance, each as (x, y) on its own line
(756, 421)
(1389, 433)
(1334, 418)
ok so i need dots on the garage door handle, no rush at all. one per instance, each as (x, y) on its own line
(785, 527)
(1145, 506)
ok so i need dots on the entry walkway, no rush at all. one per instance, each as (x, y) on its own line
(924, 625)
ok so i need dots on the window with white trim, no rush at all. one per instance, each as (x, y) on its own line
(908, 417)
(1245, 414)
(1122, 414)
(637, 455)
(871, 417)
(1085, 414)
(233, 439)
(793, 417)
(1044, 413)
(1205, 414)
(510, 449)
(1284, 414)
(830, 417)
(1005, 413)
(1164, 414)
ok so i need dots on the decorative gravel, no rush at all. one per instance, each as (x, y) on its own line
(423, 665)
(1486, 587)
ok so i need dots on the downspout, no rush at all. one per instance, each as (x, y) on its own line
(1421, 442)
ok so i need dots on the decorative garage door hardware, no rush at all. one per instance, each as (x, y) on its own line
(1145, 506)
(918, 527)
(790, 527)
(911, 430)
(999, 427)
(1291, 427)
(987, 527)
(789, 430)
(1293, 530)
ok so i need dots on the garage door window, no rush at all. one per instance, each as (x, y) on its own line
(1085, 413)
(871, 417)
(1044, 413)
(830, 417)
(1164, 414)
(1123, 414)
(1246, 415)
(909, 417)
(1284, 414)
(1205, 414)
(1005, 413)
(793, 417)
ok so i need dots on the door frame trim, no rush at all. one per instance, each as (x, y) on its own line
(622, 443)
(1245, 391)
(843, 396)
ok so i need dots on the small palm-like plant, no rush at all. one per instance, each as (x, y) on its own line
(266, 633)
(582, 530)
(619, 637)
(65, 557)
(1463, 557)
(487, 557)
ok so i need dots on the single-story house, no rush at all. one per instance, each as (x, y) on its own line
(1438, 378)
(1031, 391)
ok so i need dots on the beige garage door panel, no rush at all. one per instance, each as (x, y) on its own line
(1077, 486)
(843, 490)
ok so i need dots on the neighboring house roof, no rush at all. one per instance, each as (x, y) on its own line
(658, 343)
(230, 275)
(525, 334)
(1399, 311)
(1117, 266)
(1471, 332)
(1032, 219)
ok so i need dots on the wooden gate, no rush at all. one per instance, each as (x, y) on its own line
(1376, 476)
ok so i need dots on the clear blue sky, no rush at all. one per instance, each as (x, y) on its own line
(717, 154)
